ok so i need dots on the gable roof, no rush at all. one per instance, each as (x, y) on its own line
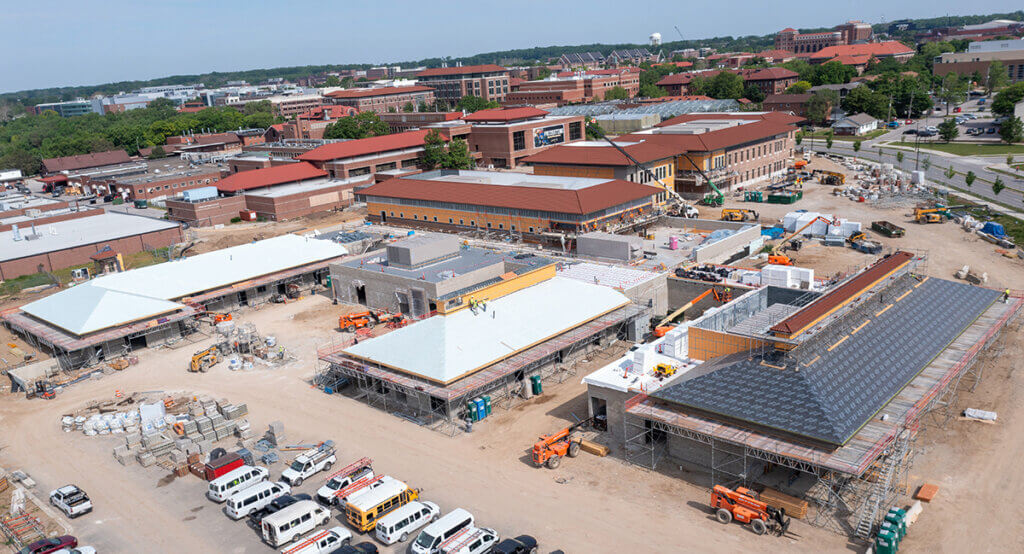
(764, 116)
(269, 176)
(379, 91)
(525, 197)
(505, 114)
(721, 138)
(463, 70)
(576, 154)
(84, 161)
(858, 119)
(366, 146)
(848, 382)
(880, 49)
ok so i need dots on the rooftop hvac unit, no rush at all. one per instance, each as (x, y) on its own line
(33, 212)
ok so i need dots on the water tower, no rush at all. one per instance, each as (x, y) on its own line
(655, 39)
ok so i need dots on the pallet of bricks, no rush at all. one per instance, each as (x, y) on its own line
(199, 424)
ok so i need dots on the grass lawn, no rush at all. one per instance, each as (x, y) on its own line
(820, 135)
(964, 149)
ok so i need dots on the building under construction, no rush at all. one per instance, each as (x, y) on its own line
(110, 316)
(822, 395)
(493, 341)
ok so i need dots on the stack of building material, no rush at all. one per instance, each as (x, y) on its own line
(794, 506)
(788, 276)
(275, 434)
(234, 411)
(123, 454)
(145, 459)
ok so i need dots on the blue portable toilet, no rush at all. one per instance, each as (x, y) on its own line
(481, 409)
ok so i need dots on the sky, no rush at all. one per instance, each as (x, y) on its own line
(50, 43)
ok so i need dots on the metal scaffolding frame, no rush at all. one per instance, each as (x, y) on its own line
(851, 501)
(442, 408)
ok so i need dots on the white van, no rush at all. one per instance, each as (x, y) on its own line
(321, 542)
(235, 480)
(470, 541)
(430, 539)
(256, 497)
(292, 522)
(396, 526)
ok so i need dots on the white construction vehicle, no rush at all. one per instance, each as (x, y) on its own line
(309, 463)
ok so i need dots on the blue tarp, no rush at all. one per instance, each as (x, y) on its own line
(994, 229)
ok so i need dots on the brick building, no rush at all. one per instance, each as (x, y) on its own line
(355, 158)
(503, 137)
(771, 80)
(859, 54)
(157, 186)
(569, 87)
(795, 104)
(598, 159)
(851, 32)
(72, 242)
(966, 63)
(450, 84)
(383, 99)
(399, 122)
(85, 161)
(287, 106)
(502, 201)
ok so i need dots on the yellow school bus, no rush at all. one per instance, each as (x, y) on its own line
(363, 511)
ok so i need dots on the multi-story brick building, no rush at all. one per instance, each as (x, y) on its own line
(795, 104)
(399, 122)
(158, 186)
(503, 201)
(383, 99)
(287, 106)
(503, 137)
(450, 84)
(771, 80)
(355, 158)
(851, 32)
(853, 54)
(570, 87)
(966, 63)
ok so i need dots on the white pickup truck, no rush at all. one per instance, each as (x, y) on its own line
(357, 471)
(309, 463)
(71, 500)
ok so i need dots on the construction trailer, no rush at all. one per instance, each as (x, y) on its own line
(825, 400)
(428, 372)
(112, 316)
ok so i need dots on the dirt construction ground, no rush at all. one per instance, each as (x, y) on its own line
(588, 504)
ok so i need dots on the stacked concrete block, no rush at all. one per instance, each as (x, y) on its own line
(275, 433)
(233, 411)
(178, 457)
(123, 454)
(146, 459)
(205, 446)
(195, 409)
(132, 440)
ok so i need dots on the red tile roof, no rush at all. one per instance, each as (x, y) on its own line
(83, 161)
(763, 116)
(772, 54)
(505, 114)
(364, 147)
(788, 30)
(878, 49)
(769, 73)
(605, 155)
(464, 70)
(853, 59)
(719, 139)
(269, 176)
(582, 201)
(333, 112)
(379, 91)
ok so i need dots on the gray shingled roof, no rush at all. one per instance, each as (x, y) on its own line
(832, 398)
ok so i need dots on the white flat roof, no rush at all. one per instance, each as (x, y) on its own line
(510, 179)
(607, 275)
(76, 232)
(151, 290)
(446, 348)
(278, 191)
(626, 375)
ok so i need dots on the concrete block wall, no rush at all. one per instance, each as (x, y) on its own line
(726, 247)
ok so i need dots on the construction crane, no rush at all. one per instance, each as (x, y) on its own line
(739, 214)
(680, 32)
(550, 448)
(776, 257)
(679, 204)
(743, 505)
(714, 199)
(935, 215)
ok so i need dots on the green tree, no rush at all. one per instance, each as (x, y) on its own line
(361, 125)
(998, 186)
(832, 73)
(864, 100)
(899, 158)
(348, 82)
(332, 81)
(459, 156)
(260, 120)
(997, 76)
(651, 91)
(616, 93)
(1009, 159)
(753, 93)
(470, 104)
(856, 148)
(926, 163)
(820, 105)
(434, 151)
(950, 172)
(1012, 130)
(799, 137)
(1007, 99)
(408, 107)
(969, 178)
(725, 85)
(594, 130)
(260, 106)
(799, 87)
(948, 130)
(157, 153)
(828, 139)
(21, 159)
(953, 90)
(542, 73)
(423, 107)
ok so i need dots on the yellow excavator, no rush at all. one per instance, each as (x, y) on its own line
(203, 360)
(776, 257)
(739, 214)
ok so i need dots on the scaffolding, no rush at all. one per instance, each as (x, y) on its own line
(443, 408)
(854, 485)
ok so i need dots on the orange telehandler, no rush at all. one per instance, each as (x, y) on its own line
(550, 448)
(743, 505)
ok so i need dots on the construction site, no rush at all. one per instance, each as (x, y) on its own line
(791, 364)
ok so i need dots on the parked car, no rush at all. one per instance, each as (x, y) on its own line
(471, 541)
(908, 122)
(50, 545)
(276, 505)
(71, 500)
(893, 124)
(932, 129)
(990, 131)
(79, 550)
(361, 548)
(523, 544)
(910, 132)
(957, 109)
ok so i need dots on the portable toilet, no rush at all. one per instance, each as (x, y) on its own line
(538, 388)
(480, 410)
(471, 409)
(487, 404)
(885, 543)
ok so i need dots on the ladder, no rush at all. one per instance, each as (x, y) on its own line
(357, 486)
(351, 468)
(22, 529)
(307, 542)
(880, 491)
(460, 539)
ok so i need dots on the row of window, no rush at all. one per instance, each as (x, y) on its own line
(174, 185)
(512, 212)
